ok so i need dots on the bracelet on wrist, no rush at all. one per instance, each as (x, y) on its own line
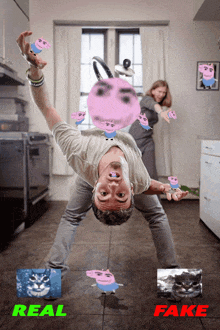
(36, 84)
(34, 81)
(160, 112)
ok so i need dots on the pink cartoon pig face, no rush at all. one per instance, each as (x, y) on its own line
(79, 115)
(42, 43)
(101, 276)
(143, 119)
(172, 114)
(113, 104)
(207, 71)
(173, 180)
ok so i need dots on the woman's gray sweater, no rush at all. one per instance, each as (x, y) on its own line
(136, 130)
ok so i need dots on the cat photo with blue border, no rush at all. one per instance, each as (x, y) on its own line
(38, 283)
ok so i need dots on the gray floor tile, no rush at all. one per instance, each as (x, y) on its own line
(197, 256)
(8, 292)
(143, 322)
(23, 256)
(136, 229)
(132, 256)
(75, 322)
(92, 231)
(86, 257)
(210, 296)
(211, 323)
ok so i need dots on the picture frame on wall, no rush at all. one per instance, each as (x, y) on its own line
(207, 78)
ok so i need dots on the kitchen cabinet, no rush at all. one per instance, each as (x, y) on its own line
(210, 185)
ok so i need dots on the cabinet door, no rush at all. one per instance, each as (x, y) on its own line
(211, 147)
(210, 192)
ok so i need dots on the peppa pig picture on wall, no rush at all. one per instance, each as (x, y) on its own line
(207, 76)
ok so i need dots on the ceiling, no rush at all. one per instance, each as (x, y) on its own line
(209, 11)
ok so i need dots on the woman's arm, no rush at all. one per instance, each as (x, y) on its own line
(149, 103)
(157, 188)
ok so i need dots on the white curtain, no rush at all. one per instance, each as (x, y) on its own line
(154, 42)
(67, 84)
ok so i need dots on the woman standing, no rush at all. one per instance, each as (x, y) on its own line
(156, 97)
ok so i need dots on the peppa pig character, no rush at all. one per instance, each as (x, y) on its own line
(144, 121)
(113, 104)
(79, 116)
(39, 45)
(173, 182)
(172, 114)
(207, 71)
(105, 280)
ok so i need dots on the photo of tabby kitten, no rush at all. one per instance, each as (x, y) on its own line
(186, 285)
(176, 284)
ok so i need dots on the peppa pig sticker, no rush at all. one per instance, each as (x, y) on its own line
(172, 114)
(105, 280)
(173, 182)
(113, 104)
(207, 76)
(39, 45)
(144, 121)
(79, 116)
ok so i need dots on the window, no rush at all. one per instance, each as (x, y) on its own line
(94, 43)
(129, 42)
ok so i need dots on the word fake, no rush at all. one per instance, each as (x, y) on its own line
(186, 310)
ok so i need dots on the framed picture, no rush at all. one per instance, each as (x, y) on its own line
(207, 76)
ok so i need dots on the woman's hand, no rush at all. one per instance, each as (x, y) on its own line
(25, 47)
(176, 196)
(164, 115)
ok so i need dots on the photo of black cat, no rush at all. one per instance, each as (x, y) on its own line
(176, 284)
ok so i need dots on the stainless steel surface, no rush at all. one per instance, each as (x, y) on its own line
(10, 123)
(24, 166)
(9, 77)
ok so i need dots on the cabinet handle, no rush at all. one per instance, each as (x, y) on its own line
(208, 162)
(209, 148)
(208, 199)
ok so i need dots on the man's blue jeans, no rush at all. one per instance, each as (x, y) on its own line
(79, 205)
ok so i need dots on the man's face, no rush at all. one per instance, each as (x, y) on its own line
(113, 104)
(113, 189)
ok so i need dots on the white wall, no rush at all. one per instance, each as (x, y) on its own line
(190, 41)
(15, 23)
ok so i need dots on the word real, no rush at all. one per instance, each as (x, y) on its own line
(33, 310)
(186, 310)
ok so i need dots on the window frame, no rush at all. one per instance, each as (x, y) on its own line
(115, 56)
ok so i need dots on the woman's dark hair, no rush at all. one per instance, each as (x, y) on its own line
(167, 100)
(112, 218)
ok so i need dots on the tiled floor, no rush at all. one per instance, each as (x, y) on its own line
(129, 253)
